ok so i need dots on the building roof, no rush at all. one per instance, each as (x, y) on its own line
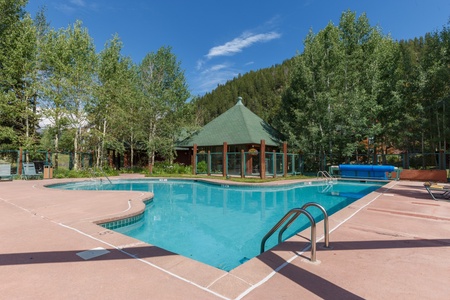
(236, 126)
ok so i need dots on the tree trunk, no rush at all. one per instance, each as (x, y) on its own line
(131, 152)
(75, 149)
(101, 146)
(56, 149)
(151, 151)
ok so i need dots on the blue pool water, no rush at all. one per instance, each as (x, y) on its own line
(223, 225)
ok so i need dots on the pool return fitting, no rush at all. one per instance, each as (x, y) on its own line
(290, 217)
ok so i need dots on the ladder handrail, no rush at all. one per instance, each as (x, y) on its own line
(325, 223)
(104, 174)
(94, 175)
(326, 175)
(326, 227)
(296, 212)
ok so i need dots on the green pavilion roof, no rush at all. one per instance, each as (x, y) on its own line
(236, 126)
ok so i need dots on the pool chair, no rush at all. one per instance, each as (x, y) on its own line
(29, 171)
(437, 190)
(5, 172)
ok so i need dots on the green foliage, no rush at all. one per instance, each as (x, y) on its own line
(164, 112)
(344, 90)
(165, 168)
(134, 170)
(114, 109)
(66, 173)
(18, 76)
(202, 167)
(84, 173)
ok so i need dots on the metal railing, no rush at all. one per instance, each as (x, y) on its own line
(326, 227)
(94, 174)
(293, 214)
(326, 176)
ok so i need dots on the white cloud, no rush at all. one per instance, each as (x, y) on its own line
(238, 44)
(215, 68)
(74, 6)
(200, 64)
(209, 78)
(80, 3)
(67, 9)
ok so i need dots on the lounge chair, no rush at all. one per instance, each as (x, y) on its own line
(5, 172)
(437, 190)
(29, 171)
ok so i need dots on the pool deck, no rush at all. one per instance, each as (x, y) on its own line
(392, 244)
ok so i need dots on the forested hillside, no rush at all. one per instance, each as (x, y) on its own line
(261, 91)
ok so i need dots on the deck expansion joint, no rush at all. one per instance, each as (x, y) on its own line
(93, 253)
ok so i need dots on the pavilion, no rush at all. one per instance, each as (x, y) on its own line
(238, 131)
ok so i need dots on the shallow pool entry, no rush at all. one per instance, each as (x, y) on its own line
(223, 225)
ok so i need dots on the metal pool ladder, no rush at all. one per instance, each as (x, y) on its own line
(94, 174)
(290, 217)
(325, 175)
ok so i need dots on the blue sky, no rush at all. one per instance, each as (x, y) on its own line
(217, 40)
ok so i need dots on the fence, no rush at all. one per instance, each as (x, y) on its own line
(247, 164)
(309, 164)
(42, 158)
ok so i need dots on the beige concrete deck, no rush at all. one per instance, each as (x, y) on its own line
(392, 244)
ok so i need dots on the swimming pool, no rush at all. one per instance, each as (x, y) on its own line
(223, 225)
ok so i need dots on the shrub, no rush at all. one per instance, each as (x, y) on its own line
(202, 167)
(164, 168)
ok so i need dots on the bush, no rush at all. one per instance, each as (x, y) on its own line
(164, 168)
(160, 169)
(86, 173)
(134, 170)
(202, 167)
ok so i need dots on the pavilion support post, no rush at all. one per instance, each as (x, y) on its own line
(248, 164)
(285, 159)
(194, 160)
(208, 161)
(243, 162)
(262, 160)
(274, 165)
(224, 159)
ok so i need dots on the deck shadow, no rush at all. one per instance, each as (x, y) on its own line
(323, 288)
(49, 257)
(317, 285)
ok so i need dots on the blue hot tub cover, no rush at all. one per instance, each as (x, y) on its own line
(365, 171)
